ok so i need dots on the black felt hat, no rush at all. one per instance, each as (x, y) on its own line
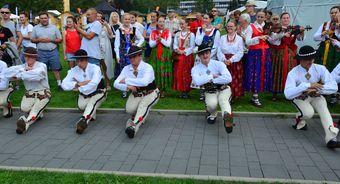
(306, 52)
(31, 51)
(134, 51)
(80, 54)
(203, 48)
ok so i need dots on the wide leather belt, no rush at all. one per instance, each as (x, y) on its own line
(45, 94)
(98, 91)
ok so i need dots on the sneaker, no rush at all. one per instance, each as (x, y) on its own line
(124, 94)
(333, 100)
(21, 126)
(185, 95)
(81, 126)
(130, 132)
(256, 102)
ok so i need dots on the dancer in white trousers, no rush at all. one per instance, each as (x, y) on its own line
(336, 74)
(214, 77)
(5, 92)
(37, 95)
(305, 86)
(138, 78)
(87, 79)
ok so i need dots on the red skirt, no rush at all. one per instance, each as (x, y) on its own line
(182, 73)
(236, 71)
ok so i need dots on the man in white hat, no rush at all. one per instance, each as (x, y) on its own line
(37, 95)
(87, 79)
(5, 91)
(214, 77)
(138, 78)
(305, 86)
(250, 9)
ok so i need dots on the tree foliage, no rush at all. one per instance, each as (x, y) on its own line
(204, 5)
(41, 5)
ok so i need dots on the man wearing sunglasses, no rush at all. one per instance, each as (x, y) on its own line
(6, 22)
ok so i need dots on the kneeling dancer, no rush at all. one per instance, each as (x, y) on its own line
(87, 79)
(5, 92)
(214, 77)
(305, 85)
(37, 95)
(138, 78)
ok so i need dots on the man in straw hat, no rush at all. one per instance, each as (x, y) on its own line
(138, 78)
(87, 79)
(214, 77)
(5, 91)
(37, 95)
(305, 86)
(250, 9)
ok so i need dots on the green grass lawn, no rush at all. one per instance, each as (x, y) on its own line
(171, 101)
(39, 177)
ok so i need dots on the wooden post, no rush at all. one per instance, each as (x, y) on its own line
(66, 5)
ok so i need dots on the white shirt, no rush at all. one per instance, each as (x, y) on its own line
(201, 74)
(336, 73)
(166, 43)
(92, 47)
(199, 39)
(249, 33)
(25, 30)
(4, 82)
(144, 77)
(177, 42)
(139, 27)
(34, 80)
(92, 72)
(236, 48)
(297, 83)
(318, 35)
(139, 39)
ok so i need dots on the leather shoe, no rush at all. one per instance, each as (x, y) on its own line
(21, 126)
(130, 131)
(333, 144)
(81, 126)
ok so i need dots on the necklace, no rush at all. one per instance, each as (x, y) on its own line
(232, 40)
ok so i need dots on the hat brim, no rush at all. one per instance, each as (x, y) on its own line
(80, 57)
(204, 50)
(31, 55)
(313, 56)
(133, 54)
(250, 5)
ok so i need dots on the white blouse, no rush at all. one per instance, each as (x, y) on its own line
(199, 39)
(181, 35)
(166, 43)
(235, 47)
